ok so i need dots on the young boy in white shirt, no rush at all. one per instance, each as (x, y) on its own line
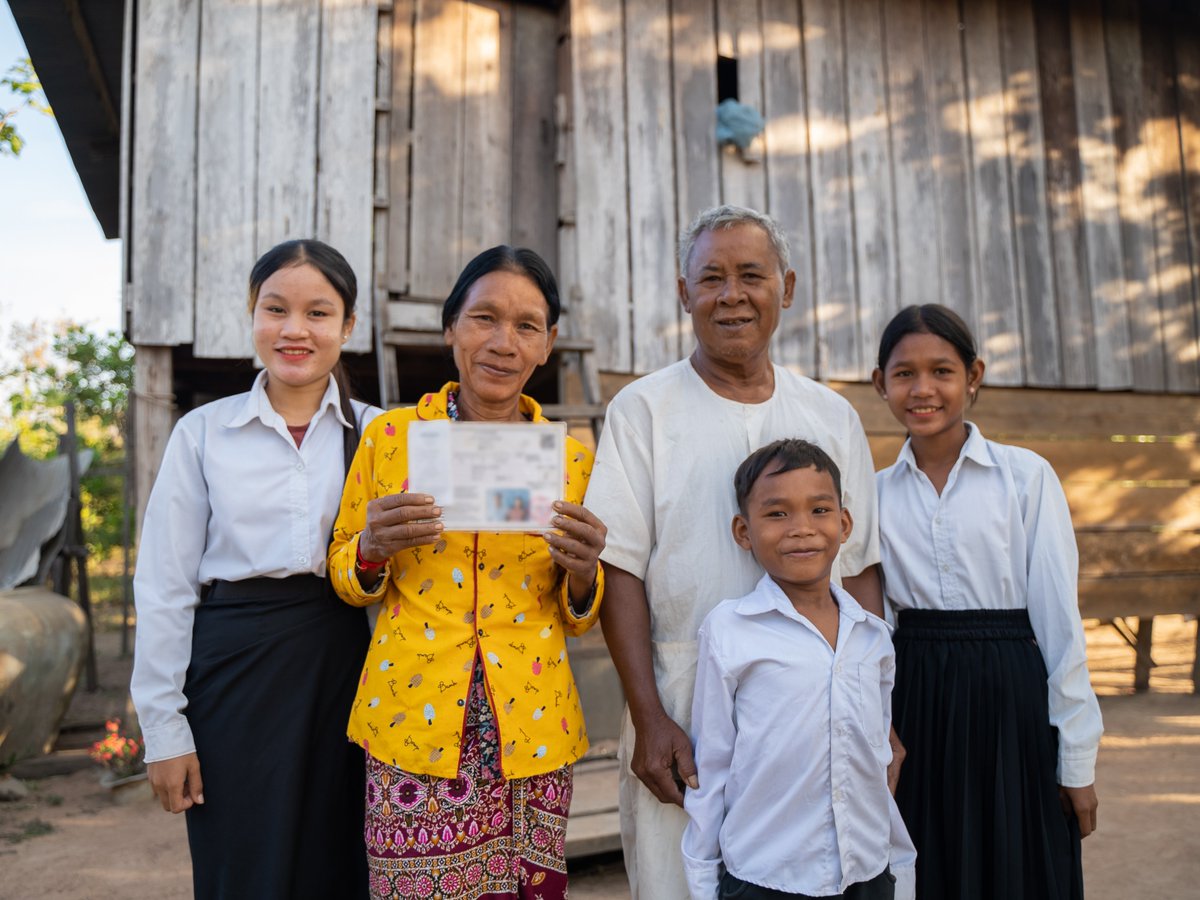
(793, 708)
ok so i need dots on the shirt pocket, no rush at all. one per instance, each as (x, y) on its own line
(870, 704)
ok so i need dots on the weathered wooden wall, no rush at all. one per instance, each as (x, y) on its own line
(470, 149)
(1035, 165)
(253, 123)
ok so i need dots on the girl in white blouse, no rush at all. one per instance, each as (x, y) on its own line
(246, 662)
(992, 698)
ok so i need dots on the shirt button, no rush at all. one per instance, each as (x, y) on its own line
(481, 632)
(937, 520)
(304, 560)
(299, 467)
(837, 669)
(945, 568)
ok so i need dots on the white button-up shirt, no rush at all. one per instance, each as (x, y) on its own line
(792, 751)
(235, 498)
(998, 537)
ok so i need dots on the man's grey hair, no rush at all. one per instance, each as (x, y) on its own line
(727, 216)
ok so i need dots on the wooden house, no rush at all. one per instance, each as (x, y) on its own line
(1034, 164)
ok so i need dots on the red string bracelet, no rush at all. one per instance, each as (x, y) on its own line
(364, 564)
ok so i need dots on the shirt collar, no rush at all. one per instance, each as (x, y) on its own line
(767, 596)
(433, 406)
(257, 405)
(975, 449)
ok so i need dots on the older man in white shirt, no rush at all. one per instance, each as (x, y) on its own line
(663, 484)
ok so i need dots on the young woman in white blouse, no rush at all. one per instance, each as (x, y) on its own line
(992, 699)
(246, 662)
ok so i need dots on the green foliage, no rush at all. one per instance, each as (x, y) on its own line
(69, 362)
(22, 83)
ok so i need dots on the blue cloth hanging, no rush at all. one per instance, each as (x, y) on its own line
(738, 124)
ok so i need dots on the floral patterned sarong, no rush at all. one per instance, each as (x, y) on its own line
(474, 837)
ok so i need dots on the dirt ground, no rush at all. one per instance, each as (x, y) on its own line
(71, 839)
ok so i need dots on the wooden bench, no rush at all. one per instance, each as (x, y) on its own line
(1130, 466)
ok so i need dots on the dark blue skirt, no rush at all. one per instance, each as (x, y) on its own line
(978, 790)
(274, 667)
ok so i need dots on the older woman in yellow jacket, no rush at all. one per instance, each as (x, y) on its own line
(467, 707)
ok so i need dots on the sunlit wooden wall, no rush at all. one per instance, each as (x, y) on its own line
(1035, 165)
(253, 122)
(468, 158)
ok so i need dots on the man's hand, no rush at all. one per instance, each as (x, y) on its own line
(661, 753)
(176, 782)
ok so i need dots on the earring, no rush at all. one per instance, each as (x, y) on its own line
(884, 396)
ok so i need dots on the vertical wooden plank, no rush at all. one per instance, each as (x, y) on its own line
(383, 111)
(651, 185)
(387, 376)
(289, 61)
(346, 146)
(697, 157)
(948, 130)
(535, 86)
(400, 145)
(833, 227)
(999, 323)
(164, 173)
(226, 170)
(1099, 191)
(871, 167)
(564, 159)
(602, 184)
(694, 67)
(1181, 349)
(435, 217)
(739, 36)
(487, 128)
(1187, 63)
(789, 188)
(154, 399)
(1123, 46)
(917, 247)
(1063, 177)
(1026, 148)
(126, 154)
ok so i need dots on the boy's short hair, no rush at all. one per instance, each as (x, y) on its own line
(792, 453)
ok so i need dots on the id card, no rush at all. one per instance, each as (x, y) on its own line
(489, 476)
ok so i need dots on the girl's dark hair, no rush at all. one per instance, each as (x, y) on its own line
(790, 453)
(330, 263)
(503, 259)
(929, 318)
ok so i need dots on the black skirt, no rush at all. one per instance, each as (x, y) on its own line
(274, 667)
(978, 789)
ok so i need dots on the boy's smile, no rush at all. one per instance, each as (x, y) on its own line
(794, 525)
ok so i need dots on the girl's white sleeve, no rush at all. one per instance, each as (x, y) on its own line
(166, 591)
(1052, 561)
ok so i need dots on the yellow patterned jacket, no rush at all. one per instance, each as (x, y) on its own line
(498, 592)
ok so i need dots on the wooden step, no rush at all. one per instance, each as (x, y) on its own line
(594, 823)
(555, 411)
